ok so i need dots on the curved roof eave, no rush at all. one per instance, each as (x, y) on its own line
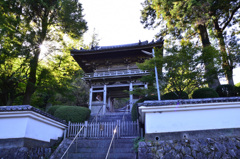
(118, 48)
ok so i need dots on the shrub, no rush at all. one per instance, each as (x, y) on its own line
(175, 95)
(72, 113)
(52, 109)
(237, 89)
(134, 108)
(226, 90)
(204, 93)
(238, 84)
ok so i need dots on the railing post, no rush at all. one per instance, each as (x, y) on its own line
(69, 129)
(118, 128)
(65, 133)
(85, 129)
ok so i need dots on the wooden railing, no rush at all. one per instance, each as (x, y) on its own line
(115, 73)
(103, 129)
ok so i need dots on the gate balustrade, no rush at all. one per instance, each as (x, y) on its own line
(104, 129)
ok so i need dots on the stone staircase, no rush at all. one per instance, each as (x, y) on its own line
(111, 117)
(97, 149)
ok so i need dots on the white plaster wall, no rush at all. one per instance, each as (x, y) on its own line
(28, 124)
(190, 120)
(42, 131)
(12, 127)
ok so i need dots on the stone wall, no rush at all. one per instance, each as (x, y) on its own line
(25, 153)
(221, 147)
(25, 148)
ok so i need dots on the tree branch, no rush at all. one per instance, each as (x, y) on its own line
(233, 12)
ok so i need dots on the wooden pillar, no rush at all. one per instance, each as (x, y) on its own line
(109, 103)
(85, 129)
(104, 98)
(131, 96)
(90, 98)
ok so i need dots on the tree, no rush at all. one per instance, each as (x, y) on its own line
(37, 17)
(224, 14)
(191, 17)
(149, 65)
(182, 68)
(188, 15)
(58, 75)
(13, 53)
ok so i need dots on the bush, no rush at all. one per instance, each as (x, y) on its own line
(204, 93)
(52, 109)
(226, 90)
(238, 84)
(72, 113)
(175, 95)
(134, 108)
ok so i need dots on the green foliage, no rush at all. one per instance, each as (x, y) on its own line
(136, 143)
(134, 108)
(52, 109)
(204, 93)
(175, 95)
(183, 68)
(191, 18)
(73, 113)
(237, 90)
(237, 85)
(24, 26)
(149, 65)
(209, 54)
(226, 90)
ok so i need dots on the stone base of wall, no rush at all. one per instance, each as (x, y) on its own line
(24, 148)
(25, 153)
(24, 142)
(193, 134)
(219, 147)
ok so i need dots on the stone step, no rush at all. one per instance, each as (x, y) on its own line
(98, 143)
(110, 118)
(102, 155)
(113, 149)
(97, 149)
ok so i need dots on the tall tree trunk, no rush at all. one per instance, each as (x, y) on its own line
(228, 69)
(212, 79)
(30, 88)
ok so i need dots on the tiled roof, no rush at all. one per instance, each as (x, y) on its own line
(29, 108)
(190, 101)
(144, 43)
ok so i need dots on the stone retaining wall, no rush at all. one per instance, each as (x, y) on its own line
(25, 153)
(217, 148)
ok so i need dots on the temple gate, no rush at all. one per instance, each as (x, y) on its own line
(111, 72)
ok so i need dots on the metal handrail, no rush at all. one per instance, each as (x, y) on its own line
(79, 133)
(72, 141)
(114, 132)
